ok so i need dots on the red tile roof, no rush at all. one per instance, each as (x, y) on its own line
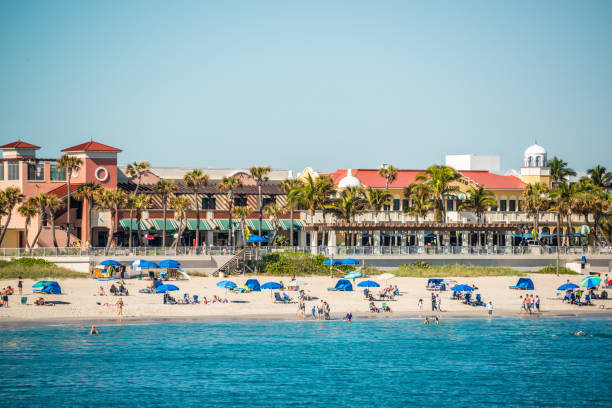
(19, 145)
(91, 147)
(370, 178)
(60, 192)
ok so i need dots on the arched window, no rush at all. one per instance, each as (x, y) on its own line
(539, 161)
(530, 161)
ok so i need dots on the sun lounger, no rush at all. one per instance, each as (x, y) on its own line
(278, 298)
(287, 298)
(196, 299)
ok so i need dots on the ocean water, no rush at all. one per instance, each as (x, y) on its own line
(388, 363)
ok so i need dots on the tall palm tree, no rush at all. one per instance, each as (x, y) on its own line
(28, 210)
(377, 199)
(536, 201)
(70, 164)
(109, 200)
(273, 212)
(593, 201)
(141, 202)
(53, 204)
(165, 188)
(420, 200)
(40, 201)
(260, 175)
(241, 213)
(389, 173)
(559, 170)
(600, 176)
(560, 196)
(351, 202)
(88, 192)
(229, 184)
(438, 179)
(9, 198)
(316, 194)
(194, 180)
(291, 188)
(180, 206)
(478, 201)
(135, 171)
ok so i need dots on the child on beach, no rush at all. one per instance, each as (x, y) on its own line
(314, 310)
(420, 305)
(490, 308)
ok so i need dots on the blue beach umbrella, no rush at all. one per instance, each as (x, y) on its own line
(166, 288)
(110, 262)
(256, 238)
(328, 261)
(169, 263)
(568, 286)
(590, 282)
(42, 284)
(226, 284)
(271, 285)
(368, 284)
(350, 261)
(353, 275)
(462, 288)
(108, 278)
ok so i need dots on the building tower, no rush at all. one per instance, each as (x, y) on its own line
(534, 168)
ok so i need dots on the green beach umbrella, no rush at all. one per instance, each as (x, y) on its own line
(42, 284)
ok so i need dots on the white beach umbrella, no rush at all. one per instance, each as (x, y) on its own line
(385, 276)
(296, 283)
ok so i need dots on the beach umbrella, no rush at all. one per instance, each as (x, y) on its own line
(42, 284)
(256, 238)
(226, 284)
(385, 276)
(166, 288)
(462, 288)
(329, 261)
(568, 286)
(110, 262)
(590, 282)
(271, 285)
(609, 282)
(349, 261)
(170, 263)
(141, 263)
(296, 283)
(353, 275)
(368, 284)
(108, 278)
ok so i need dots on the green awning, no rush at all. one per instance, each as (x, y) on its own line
(286, 224)
(222, 224)
(205, 225)
(254, 225)
(159, 224)
(125, 224)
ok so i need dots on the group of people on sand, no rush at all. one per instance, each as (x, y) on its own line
(436, 303)
(530, 304)
(319, 312)
(4, 296)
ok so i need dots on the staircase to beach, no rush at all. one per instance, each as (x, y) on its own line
(239, 263)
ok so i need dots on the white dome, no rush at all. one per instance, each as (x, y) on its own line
(349, 180)
(535, 149)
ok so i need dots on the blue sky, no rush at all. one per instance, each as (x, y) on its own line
(328, 84)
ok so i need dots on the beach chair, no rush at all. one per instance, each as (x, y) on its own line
(196, 299)
(278, 298)
(24, 300)
(287, 298)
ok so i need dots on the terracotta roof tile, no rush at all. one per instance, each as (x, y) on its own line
(91, 147)
(60, 192)
(19, 145)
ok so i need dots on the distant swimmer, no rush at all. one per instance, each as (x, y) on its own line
(93, 330)
(426, 320)
(437, 321)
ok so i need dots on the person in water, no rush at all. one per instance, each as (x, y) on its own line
(437, 321)
(426, 320)
(93, 330)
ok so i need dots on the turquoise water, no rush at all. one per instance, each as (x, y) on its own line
(394, 363)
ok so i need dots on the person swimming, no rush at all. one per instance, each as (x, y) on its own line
(437, 321)
(426, 320)
(93, 330)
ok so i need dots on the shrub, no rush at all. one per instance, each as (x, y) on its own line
(552, 270)
(299, 264)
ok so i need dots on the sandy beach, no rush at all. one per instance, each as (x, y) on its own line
(79, 300)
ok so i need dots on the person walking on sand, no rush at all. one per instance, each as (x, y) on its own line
(537, 303)
(420, 305)
(120, 307)
(438, 303)
(490, 309)
(20, 285)
(433, 302)
(314, 312)
(522, 304)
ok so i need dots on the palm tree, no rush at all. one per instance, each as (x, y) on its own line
(389, 173)
(70, 164)
(28, 210)
(135, 171)
(165, 188)
(180, 206)
(53, 204)
(229, 184)
(377, 199)
(260, 175)
(536, 201)
(9, 198)
(40, 201)
(108, 200)
(600, 176)
(559, 170)
(194, 180)
(420, 201)
(478, 201)
(273, 211)
(141, 202)
(291, 188)
(88, 192)
(350, 203)
(561, 196)
(241, 213)
(594, 201)
(438, 179)
(316, 194)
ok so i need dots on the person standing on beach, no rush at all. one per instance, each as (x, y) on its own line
(20, 285)
(537, 303)
(420, 305)
(532, 303)
(314, 312)
(490, 309)
(438, 303)
(433, 302)
(522, 304)
(119, 307)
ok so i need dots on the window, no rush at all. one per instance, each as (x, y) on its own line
(405, 204)
(386, 207)
(57, 174)
(240, 202)
(36, 172)
(267, 201)
(502, 205)
(13, 170)
(209, 203)
(396, 204)
(449, 205)
(494, 208)
(512, 205)
(1, 170)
